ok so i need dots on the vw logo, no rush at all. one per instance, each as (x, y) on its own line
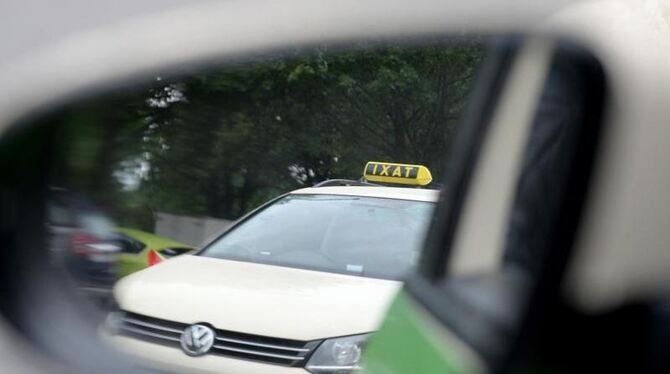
(196, 340)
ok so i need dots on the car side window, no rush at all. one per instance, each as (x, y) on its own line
(130, 245)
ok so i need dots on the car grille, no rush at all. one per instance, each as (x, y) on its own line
(228, 343)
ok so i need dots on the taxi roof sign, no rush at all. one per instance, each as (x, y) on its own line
(386, 172)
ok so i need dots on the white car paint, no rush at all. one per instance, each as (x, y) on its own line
(259, 299)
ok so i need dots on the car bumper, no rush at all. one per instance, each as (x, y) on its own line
(172, 359)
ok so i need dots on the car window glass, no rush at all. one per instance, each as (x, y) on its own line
(171, 252)
(353, 235)
(96, 224)
(130, 245)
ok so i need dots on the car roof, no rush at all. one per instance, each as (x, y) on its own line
(400, 193)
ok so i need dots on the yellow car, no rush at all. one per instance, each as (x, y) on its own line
(141, 249)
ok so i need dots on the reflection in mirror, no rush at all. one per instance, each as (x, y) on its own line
(199, 198)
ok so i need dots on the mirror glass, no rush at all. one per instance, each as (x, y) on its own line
(277, 202)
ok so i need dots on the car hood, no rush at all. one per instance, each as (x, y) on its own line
(257, 299)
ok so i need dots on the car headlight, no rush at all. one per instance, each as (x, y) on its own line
(338, 355)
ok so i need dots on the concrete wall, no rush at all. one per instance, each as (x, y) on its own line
(190, 230)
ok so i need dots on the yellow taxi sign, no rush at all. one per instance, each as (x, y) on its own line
(385, 172)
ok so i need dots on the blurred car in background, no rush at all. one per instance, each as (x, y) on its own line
(83, 240)
(140, 249)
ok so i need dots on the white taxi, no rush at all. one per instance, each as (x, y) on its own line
(296, 285)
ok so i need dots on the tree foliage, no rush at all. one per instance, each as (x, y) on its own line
(220, 143)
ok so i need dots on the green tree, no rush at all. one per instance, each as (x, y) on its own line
(221, 142)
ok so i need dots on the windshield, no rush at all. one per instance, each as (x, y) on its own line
(365, 236)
